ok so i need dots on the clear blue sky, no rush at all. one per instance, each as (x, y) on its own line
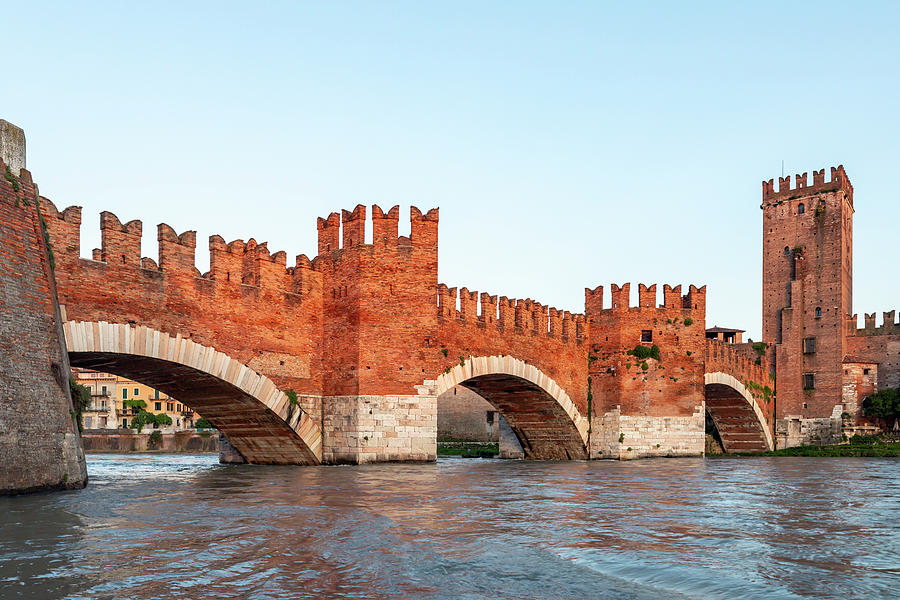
(567, 144)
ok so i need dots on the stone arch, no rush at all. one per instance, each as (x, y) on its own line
(546, 421)
(739, 419)
(255, 416)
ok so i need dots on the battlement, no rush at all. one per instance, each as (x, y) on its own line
(347, 229)
(508, 314)
(236, 263)
(889, 325)
(839, 181)
(747, 365)
(695, 299)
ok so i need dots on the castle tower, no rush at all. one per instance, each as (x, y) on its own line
(807, 289)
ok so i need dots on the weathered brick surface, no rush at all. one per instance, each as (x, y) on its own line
(808, 293)
(40, 448)
(670, 386)
(368, 324)
(807, 286)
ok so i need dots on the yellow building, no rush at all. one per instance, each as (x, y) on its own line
(110, 395)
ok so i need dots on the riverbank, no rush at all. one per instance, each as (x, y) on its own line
(468, 449)
(116, 441)
(869, 449)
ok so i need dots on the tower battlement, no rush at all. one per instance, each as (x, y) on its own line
(839, 181)
(346, 230)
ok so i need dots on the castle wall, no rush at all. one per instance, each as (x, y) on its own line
(650, 405)
(463, 415)
(483, 325)
(807, 287)
(40, 447)
(877, 344)
(248, 305)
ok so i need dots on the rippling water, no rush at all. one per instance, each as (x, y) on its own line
(186, 527)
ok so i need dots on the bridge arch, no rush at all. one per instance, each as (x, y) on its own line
(739, 419)
(255, 416)
(546, 421)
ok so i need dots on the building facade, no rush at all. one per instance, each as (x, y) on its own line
(824, 365)
(110, 407)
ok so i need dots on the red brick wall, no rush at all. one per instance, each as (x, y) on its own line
(550, 339)
(739, 361)
(39, 443)
(671, 386)
(795, 283)
(249, 305)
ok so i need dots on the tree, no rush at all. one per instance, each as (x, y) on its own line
(81, 399)
(203, 424)
(148, 418)
(883, 404)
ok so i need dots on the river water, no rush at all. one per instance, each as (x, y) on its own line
(163, 526)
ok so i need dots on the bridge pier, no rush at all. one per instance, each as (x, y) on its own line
(360, 429)
(626, 437)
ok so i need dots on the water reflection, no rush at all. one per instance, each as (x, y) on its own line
(186, 527)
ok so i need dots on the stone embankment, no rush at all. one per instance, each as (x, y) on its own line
(116, 440)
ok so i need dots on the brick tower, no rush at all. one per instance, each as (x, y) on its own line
(807, 293)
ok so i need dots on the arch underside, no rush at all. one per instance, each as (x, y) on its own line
(544, 429)
(736, 418)
(260, 435)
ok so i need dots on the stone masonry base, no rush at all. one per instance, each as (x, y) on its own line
(796, 431)
(367, 429)
(627, 437)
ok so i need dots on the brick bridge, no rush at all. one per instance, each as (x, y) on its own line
(341, 358)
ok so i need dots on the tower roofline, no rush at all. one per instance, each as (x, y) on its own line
(839, 181)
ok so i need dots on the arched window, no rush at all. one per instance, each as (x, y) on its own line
(818, 311)
(801, 209)
(787, 250)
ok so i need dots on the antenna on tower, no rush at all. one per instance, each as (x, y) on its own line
(782, 167)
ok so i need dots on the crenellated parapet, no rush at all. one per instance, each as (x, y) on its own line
(742, 361)
(889, 325)
(231, 264)
(509, 316)
(647, 359)
(839, 181)
(694, 300)
(749, 364)
(345, 231)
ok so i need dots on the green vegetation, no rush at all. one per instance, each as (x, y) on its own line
(621, 437)
(148, 418)
(155, 440)
(644, 365)
(860, 445)
(445, 352)
(81, 398)
(468, 449)
(643, 352)
(590, 402)
(134, 404)
(202, 423)
(12, 180)
(462, 361)
(292, 397)
(757, 390)
(883, 405)
(688, 321)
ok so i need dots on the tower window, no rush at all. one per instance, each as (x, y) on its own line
(801, 209)
(809, 381)
(818, 311)
(865, 371)
(646, 335)
(809, 345)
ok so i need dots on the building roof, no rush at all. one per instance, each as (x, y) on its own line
(855, 359)
(717, 329)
